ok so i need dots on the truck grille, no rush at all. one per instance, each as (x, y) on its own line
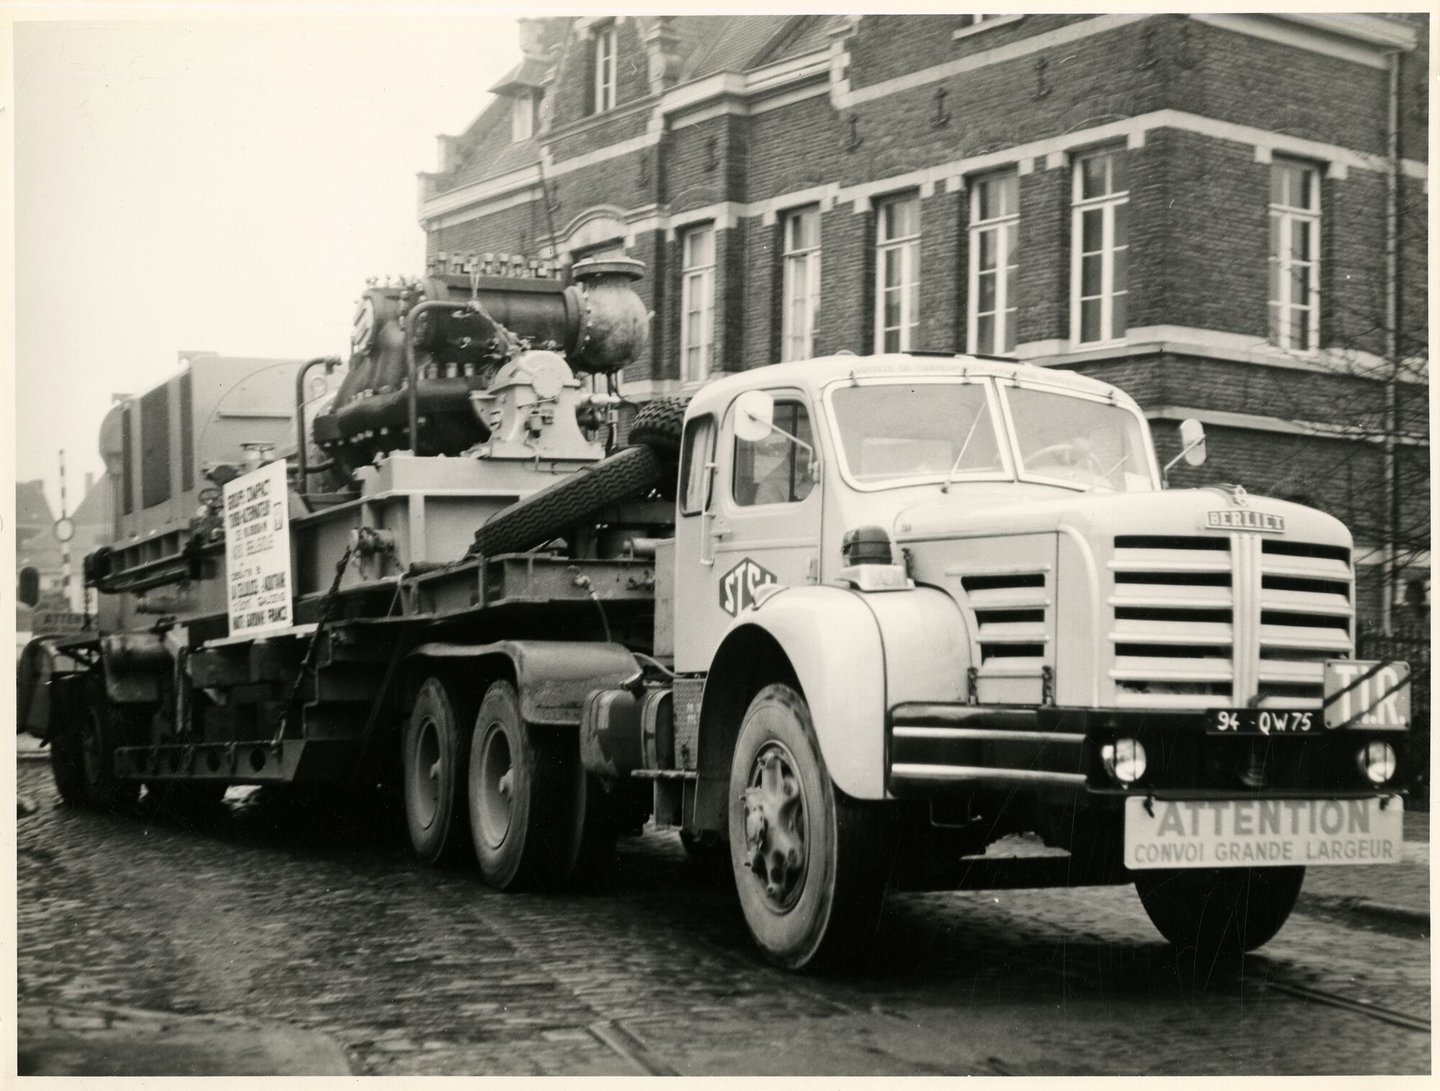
(1201, 622)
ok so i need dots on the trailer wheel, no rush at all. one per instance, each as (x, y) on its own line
(1223, 911)
(103, 727)
(435, 748)
(550, 512)
(67, 753)
(522, 804)
(808, 861)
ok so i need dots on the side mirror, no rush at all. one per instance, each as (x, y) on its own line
(754, 416)
(1192, 442)
(1192, 448)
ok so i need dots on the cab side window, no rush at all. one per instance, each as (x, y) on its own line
(775, 470)
(697, 462)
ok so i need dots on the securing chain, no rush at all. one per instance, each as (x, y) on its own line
(307, 665)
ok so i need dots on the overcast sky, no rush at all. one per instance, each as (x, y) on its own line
(221, 184)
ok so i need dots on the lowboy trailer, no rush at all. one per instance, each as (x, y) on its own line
(844, 623)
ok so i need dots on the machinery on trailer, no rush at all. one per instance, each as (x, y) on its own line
(846, 623)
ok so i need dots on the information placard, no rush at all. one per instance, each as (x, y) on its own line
(257, 551)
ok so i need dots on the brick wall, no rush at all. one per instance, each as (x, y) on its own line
(1198, 217)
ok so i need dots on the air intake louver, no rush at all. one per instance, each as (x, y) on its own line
(1305, 615)
(1173, 625)
(1190, 614)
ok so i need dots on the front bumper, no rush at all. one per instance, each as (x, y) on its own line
(937, 751)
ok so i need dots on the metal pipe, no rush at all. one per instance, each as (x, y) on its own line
(330, 362)
(410, 377)
(1390, 581)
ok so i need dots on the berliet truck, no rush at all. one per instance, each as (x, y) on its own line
(845, 624)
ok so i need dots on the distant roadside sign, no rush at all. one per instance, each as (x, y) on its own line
(55, 622)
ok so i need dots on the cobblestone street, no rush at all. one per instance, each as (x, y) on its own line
(334, 935)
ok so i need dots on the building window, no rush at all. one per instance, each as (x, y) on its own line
(897, 273)
(697, 302)
(524, 115)
(1294, 255)
(604, 92)
(976, 23)
(801, 283)
(1100, 245)
(994, 232)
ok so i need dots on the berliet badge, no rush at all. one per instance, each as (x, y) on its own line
(1245, 519)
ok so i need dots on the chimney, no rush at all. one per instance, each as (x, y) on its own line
(532, 33)
(662, 49)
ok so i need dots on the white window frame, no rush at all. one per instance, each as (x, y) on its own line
(524, 114)
(1110, 204)
(1004, 228)
(984, 22)
(697, 299)
(905, 250)
(605, 69)
(800, 285)
(1285, 220)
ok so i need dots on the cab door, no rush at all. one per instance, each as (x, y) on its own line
(756, 521)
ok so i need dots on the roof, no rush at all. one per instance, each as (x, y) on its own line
(530, 72)
(32, 508)
(814, 375)
(707, 44)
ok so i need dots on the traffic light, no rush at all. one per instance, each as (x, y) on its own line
(29, 592)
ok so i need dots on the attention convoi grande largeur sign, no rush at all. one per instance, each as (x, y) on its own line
(257, 551)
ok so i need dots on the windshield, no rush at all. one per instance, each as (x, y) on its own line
(1091, 443)
(921, 429)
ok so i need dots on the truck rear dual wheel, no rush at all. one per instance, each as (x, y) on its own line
(435, 755)
(809, 861)
(1222, 911)
(536, 818)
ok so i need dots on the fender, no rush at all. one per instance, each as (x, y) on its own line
(552, 677)
(855, 655)
(39, 663)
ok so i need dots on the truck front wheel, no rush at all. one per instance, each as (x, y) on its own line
(1220, 911)
(808, 861)
(434, 759)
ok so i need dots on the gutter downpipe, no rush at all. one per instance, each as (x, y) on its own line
(1391, 580)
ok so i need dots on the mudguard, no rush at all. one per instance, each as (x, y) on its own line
(32, 690)
(553, 677)
(856, 654)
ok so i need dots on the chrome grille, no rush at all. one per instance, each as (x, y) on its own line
(1198, 621)
(1305, 614)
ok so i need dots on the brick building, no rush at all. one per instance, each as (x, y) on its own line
(1224, 215)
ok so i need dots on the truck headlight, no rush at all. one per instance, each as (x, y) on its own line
(1377, 761)
(1124, 760)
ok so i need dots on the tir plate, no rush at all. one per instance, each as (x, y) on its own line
(1261, 832)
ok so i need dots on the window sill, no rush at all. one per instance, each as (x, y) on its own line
(978, 28)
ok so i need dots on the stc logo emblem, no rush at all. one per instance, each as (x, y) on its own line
(738, 586)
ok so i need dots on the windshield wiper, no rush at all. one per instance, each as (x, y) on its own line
(954, 466)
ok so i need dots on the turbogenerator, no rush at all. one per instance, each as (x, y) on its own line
(847, 624)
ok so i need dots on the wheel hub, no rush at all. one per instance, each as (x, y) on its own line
(497, 787)
(775, 849)
(425, 783)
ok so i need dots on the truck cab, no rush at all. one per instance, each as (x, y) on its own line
(932, 602)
